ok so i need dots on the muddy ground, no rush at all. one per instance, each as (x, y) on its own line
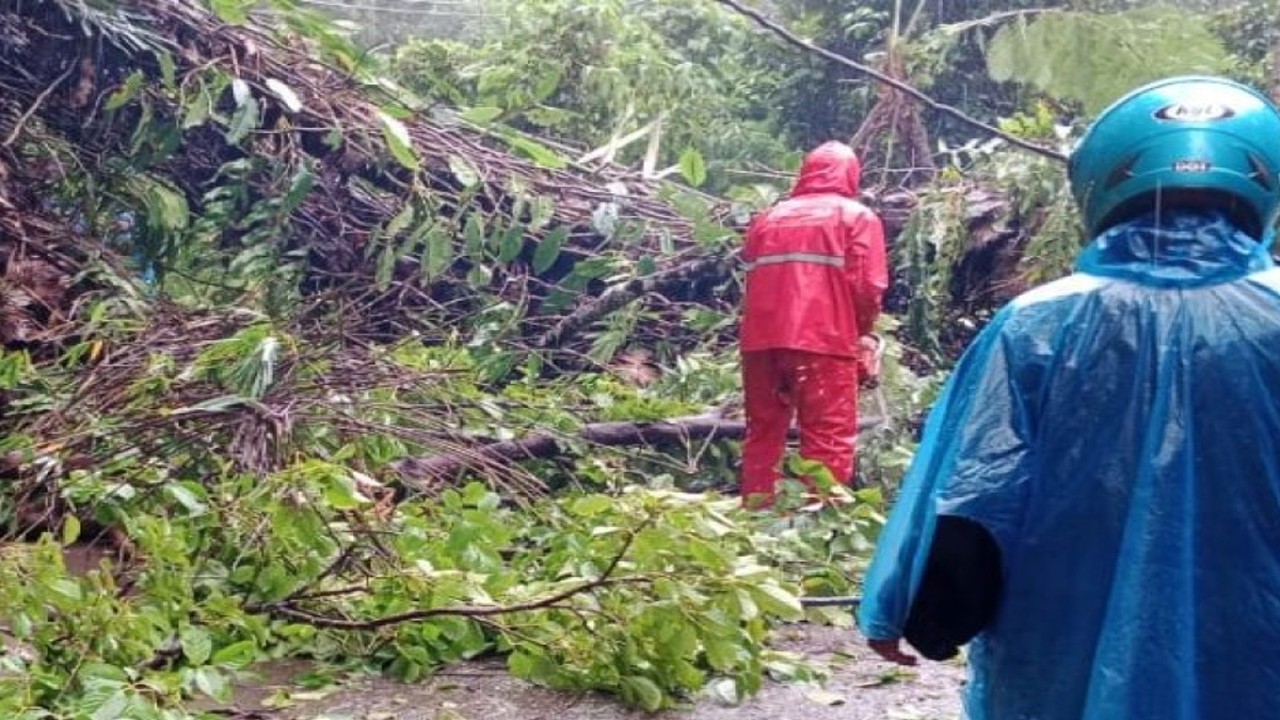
(860, 687)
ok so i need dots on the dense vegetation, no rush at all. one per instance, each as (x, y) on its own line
(392, 357)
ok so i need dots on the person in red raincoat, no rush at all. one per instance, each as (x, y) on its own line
(816, 274)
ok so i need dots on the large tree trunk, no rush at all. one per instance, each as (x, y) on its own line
(429, 474)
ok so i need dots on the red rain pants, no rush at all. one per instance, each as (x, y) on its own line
(821, 391)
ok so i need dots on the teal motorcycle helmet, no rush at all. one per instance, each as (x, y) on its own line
(1192, 141)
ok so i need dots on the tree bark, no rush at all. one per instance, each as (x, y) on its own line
(428, 473)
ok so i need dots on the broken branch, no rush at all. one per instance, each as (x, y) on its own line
(424, 472)
(619, 296)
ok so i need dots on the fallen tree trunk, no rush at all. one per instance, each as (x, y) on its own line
(427, 474)
(380, 209)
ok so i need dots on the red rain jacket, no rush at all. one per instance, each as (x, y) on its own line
(816, 268)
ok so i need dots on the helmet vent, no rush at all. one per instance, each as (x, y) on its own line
(1261, 174)
(1122, 172)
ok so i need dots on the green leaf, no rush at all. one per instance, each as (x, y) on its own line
(385, 270)
(197, 111)
(299, 187)
(482, 115)
(186, 496)
(547, 83)
(126, 92)
(197, 646)
(747, 608)
(401, 221)
(479, 276)
(212, 683)
(722, 653)
(113, 707)
(540, 154)
(779, 602)
(437, 256)
(535, 666)
(244, 121)
(541, 209)
(549, 249)
(167, 209)
(511, 245)
(464, 171)
(103, 675)
(67, 588)
(643, 692)
(473, 236)
(236, 655)
(558, 299)
(398, 141)
(693, 167)
(168, 69)
(231, 11)
(593, 268)
(341, 492)
(70, 530)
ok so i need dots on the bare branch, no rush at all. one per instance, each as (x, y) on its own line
(605, 579)
(429, 471)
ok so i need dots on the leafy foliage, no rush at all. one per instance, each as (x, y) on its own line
(1095, 58)
(248, 477)
(1250, 31)
(593, 72)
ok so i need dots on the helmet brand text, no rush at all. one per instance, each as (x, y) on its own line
(1195, 112)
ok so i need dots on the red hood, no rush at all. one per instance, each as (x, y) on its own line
(832, 167)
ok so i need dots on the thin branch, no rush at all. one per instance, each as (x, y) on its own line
(791, 38)
(831, 601)
(995, 19)
(22, 121)
(475, 611)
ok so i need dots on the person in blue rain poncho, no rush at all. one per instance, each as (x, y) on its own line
(1095, 504)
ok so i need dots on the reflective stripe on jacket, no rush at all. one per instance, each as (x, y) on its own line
(798, 257)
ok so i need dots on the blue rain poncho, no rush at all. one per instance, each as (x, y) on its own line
(1113, 436)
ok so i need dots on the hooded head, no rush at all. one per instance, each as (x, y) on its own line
(832, 167)
(1185, 142)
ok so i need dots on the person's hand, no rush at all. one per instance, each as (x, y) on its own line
(869, 360)
(891, 650)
